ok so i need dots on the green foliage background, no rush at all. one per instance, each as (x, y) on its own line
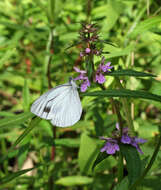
(134, 29)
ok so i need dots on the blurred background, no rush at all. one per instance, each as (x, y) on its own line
(34, 40)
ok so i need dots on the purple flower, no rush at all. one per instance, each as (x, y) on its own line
(86, 83)
(136, 141)
(87, 50)
(110, 146)
(82, 74)
(81, 54)
(125, 139)
(99, 77)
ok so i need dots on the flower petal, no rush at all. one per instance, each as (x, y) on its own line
(126, 139)
(84, 85)
(103, 60)
(110, 146)
(87, 50)
(79, 71)
(100, 78)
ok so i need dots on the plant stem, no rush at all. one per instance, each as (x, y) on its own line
(117, 112)
(120, 167)
(126, 109)
(4, 150)
(140, 179)
(49, 49)
(120, 161)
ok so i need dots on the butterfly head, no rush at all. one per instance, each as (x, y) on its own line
(72, 82)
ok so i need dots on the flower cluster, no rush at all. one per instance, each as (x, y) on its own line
(102, 68)
(89, 36)
(99, 77)
(89, 33)
(85, 84)
(112, 144)
(90, 39)
(88, 51)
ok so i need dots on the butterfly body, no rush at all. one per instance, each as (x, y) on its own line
(61, 105)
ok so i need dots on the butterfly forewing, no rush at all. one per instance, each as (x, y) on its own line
(42, 106)
(61, 105)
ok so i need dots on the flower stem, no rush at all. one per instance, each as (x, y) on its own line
(90, 66)
(49, 48)
(46, 79)
(126, 109)
(120, 167)
(140, 179)
(117, 112)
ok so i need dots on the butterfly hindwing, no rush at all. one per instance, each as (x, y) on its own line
(70, 110)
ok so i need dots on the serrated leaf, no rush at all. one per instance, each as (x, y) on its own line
(101, 156)
(133, 162)
(15, 120)
(124, 93)
(74, 180)
(130, 73)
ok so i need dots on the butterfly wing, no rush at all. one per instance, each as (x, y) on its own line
(42, 106)
(67, 112)
(61, 105)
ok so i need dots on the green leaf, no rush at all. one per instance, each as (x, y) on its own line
(101, 156)
(74, 180)
(15, 120)
(54, 9)
(133, 162)
(87, 153)
(14, 175)
(146, 25)
(22, 154)
(68, 142)
(125, 93)
(33, 124)
(26, 96)
(123, 185)
(9, 53)
(119, 53)
(130, 73)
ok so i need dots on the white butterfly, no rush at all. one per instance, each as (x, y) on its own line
(61, 105)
